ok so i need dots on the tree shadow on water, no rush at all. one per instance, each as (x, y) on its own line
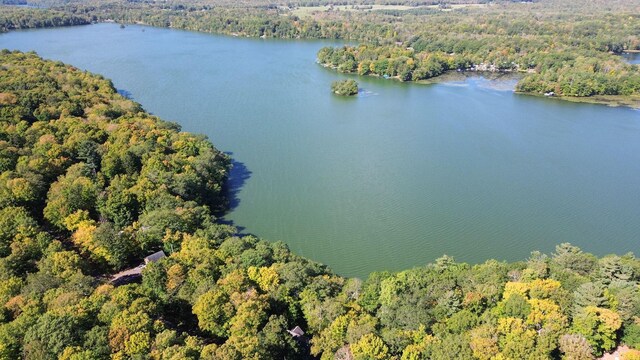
(238, 177)
(125, 93)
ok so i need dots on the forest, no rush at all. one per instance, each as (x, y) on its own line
(566, 55)
(90, 184)
(12, 18)
(556, 47)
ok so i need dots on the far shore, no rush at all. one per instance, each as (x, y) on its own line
(631, 101)
(454, 75)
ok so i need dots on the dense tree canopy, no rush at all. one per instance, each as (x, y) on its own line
(12, 18)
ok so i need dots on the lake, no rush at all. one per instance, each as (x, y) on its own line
(392, 178)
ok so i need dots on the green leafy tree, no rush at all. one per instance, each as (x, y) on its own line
(452, 346)
(571, 257)
(631, 335)
(72, 192)
(214, 312)
(121, 205)
(599, 326)
(589, 294)
(50, 335)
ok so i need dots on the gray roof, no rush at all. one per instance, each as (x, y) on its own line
(154, 257)
(296, 331)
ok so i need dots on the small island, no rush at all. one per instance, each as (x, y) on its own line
(344, 87)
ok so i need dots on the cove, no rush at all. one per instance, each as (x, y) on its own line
(390, 179)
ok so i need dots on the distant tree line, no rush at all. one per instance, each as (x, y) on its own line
(573, 56)
(13, 2)
(561, 47)
(15, 18)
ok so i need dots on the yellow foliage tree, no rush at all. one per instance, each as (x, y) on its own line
(631, 354)
(484, 342)
(175, 277)
(541, 311)
(138, 344)
(519, 288)
(543, 288)
(266, 277)
(370, 346)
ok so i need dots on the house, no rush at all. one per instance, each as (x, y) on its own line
(135, 274)
(296, 332)
(154, 257)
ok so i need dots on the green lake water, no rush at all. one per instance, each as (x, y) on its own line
(392, 178)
